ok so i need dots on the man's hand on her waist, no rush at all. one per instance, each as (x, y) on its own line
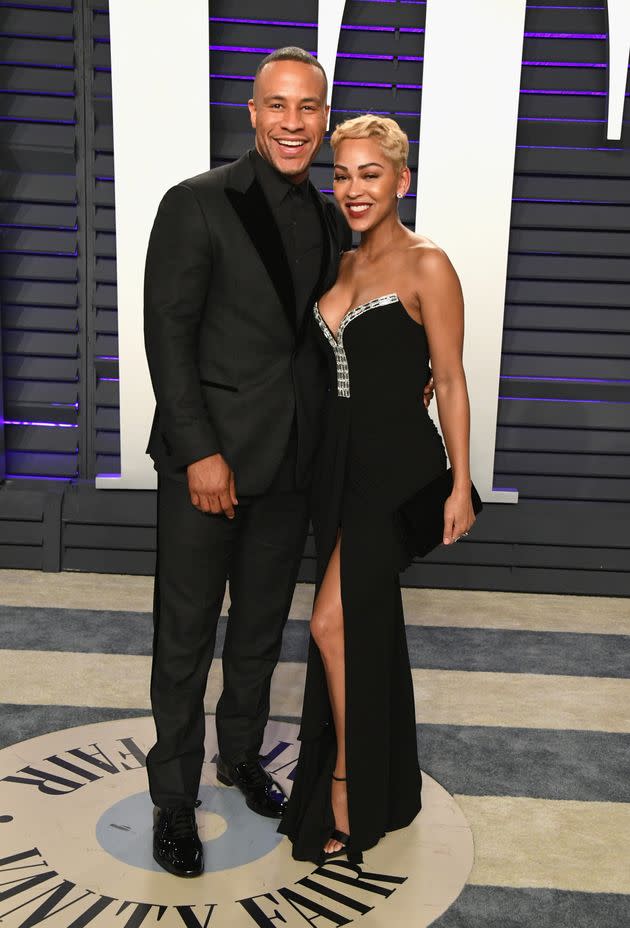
(428, 391)
(211, 485)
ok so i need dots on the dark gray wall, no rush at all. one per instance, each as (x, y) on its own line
(3, 461)
(564, 410)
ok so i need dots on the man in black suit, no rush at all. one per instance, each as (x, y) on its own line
(237, 256)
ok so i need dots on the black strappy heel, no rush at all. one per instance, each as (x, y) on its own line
(354, 857)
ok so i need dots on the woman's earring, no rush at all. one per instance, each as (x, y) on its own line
(399, 196)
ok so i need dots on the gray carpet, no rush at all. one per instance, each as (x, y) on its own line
(499, 907)
(470, 760)
(471, 649)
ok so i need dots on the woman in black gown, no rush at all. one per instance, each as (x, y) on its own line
(396, 303)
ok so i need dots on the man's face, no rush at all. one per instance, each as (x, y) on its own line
(289, 114)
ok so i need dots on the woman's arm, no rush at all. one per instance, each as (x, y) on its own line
(442, 309)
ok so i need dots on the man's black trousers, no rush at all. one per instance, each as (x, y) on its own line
(259, 551)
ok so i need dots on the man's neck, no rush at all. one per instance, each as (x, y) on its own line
(295, 179)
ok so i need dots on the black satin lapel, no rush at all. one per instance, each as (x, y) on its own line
(328, 267)
(254, 212)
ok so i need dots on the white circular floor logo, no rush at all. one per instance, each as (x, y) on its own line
(76, 832)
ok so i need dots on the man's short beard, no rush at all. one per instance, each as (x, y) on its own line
(295, 171)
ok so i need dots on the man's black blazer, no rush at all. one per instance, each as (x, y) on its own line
(229, 364)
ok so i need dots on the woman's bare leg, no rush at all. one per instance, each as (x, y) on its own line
(327, 631)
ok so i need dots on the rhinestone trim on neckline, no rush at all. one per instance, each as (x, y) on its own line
(341, 360)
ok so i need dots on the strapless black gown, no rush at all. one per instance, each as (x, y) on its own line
(379, 447)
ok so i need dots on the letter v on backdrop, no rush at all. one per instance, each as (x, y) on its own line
(471, 83)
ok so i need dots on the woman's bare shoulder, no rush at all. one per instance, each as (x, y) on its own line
(428, 259)
(346, 261)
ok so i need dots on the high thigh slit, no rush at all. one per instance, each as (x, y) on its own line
(327, 628)
(379, 446)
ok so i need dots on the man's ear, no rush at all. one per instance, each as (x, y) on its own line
(252, 112)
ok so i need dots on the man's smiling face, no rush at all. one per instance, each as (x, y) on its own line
(289, 114)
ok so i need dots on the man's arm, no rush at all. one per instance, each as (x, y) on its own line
(177, 275)
(345, 236)
(343, 230)
(176, 281)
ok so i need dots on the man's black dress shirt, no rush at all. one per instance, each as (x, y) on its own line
(298, 220)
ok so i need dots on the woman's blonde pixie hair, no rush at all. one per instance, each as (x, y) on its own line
(387, 133)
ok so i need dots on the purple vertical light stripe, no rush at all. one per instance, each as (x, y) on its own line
(569, 148)
(39, 122)
(562, 64)
(362, 84)
(233, 77)
(42, 67)
(40, 477)
(531, 6)
(568, 93)
(546, 399)
(35, 35)
(358, 112)
(45, 425)
(369, 28)
(21, 225)
(262, 22)
(563, 379)
(566, 35)
(39, 93)
(575, 202)
(558, 119)
(33, 6)
(40, 254)
(242, 48)
(365, 57)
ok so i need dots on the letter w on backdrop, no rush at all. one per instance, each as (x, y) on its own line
(470, 94)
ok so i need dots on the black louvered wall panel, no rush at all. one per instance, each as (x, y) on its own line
(563, 438)
(104, 436)
(41, 305)
(3, 461)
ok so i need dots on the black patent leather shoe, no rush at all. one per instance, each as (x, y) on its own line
(176, 844)
(262, 794)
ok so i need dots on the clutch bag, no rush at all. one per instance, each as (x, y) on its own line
(421, 518)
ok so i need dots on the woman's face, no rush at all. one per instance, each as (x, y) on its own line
(366, 182)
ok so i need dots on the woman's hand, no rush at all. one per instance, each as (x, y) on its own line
(459, 516)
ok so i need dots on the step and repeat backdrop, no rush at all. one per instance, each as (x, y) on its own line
(515, 114)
